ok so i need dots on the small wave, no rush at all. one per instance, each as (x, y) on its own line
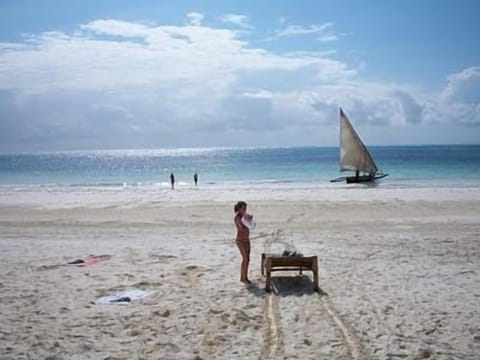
(277, 181)
(100, 184)
(245, 185)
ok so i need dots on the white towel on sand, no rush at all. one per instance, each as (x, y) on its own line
(122, 297)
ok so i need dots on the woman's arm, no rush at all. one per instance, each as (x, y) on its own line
(238, 222)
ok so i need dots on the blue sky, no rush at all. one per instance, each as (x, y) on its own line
(123, 74)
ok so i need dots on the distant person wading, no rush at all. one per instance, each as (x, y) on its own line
(172, 181)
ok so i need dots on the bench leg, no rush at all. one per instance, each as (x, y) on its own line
(315, 281)
(315, 277)
(268, 268)
(267, 281)
(262, 264)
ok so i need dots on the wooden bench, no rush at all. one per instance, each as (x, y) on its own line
(271, 263)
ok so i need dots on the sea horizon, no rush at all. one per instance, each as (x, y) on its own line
(219, 147)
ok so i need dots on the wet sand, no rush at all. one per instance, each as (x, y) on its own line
(399, 280)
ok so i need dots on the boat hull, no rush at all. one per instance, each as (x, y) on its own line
(359, 179)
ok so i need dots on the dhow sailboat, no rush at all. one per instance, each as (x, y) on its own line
(354, 155)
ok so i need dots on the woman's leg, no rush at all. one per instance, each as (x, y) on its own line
(244, 248)
(247, 258)
(243, 253)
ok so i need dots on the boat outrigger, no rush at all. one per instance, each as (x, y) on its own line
(354, 155)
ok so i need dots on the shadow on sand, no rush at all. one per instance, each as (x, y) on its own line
(294, 286)
(287, 286)
(256, 290)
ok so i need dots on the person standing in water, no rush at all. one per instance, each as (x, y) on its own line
(243, 239)
(195, 179)
(172, 181)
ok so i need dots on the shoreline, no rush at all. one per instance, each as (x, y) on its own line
(45, 197)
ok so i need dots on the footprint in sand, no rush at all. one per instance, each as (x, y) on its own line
(190, 274)
(162, 257)
(147, 284)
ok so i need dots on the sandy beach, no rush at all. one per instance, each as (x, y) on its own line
(400, 279)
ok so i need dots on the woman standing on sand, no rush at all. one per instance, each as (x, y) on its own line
(243, 238)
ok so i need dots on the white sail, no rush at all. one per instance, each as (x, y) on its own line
(353, 153)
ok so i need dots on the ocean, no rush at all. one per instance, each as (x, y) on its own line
(407, 165)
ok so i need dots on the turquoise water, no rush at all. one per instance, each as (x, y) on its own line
(453, 165)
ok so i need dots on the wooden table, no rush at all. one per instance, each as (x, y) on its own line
(271, 263)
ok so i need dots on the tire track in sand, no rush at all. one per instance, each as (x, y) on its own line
(272, 339)
(271, 312)
(350, 341)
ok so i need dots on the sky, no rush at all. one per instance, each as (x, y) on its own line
(107, 74)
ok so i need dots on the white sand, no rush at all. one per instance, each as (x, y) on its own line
(402, 278)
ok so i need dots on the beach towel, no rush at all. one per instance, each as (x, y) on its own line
(124, 297)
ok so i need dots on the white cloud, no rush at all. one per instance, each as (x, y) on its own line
(459, 101)
(322, 32)
(195, 18)
(327, 38)
(368, 103)
(114, 83)
(236, 19)
(166, 54)
(303, 30)
(113, 27)
(464, 86)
